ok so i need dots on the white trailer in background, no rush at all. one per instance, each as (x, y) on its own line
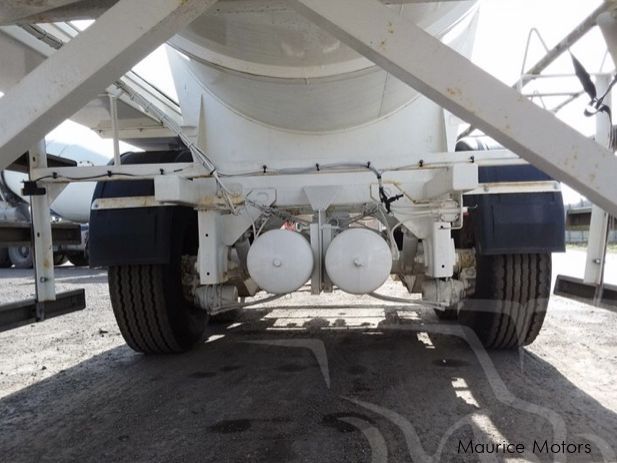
(303, 123)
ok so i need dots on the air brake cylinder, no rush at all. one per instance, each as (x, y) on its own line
(280, 261)
(359, 261)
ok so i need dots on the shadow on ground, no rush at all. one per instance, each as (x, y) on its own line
(311, 389)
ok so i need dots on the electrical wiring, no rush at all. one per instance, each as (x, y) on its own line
(211, 167)
(277, 212)
(109, 174)
(195, 150)
(393, 246)
(264, 223)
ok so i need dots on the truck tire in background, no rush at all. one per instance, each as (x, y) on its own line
(5, 261)
(60, 259)
(512, 293)
(449, 314)
(78, 260)
(21, 256)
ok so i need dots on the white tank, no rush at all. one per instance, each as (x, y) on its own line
(259, 69)
(358, 261)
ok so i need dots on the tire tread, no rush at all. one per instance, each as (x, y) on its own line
(518, 287)
(141, 309)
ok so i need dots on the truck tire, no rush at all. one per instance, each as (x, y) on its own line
(21, 256)
(5, 262)
(151, 311)
(60, 259)
(512, 292)
(78, 260)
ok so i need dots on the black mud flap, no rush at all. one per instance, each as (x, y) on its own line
(136, 236)
(521, 223)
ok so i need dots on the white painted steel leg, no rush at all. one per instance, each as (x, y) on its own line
(598, 228)
(41, 232)
(113, 112)
(84, 67)
(596, 246)
(452, 81)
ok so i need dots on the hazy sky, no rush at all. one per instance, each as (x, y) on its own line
(502, 35)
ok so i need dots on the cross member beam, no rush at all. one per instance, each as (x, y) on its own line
(452, 81)
(74, 75)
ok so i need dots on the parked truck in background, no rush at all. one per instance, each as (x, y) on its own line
(72, 205)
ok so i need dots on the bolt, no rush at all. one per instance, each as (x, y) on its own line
(358, 263)
(277, 263)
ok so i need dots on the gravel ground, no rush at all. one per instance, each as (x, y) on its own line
(352, 379)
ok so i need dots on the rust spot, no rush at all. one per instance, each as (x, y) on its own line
(454, 91)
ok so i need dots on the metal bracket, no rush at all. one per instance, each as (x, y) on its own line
(33, 189)
(321, 236)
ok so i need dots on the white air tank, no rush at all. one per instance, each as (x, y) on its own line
(358, 261)
(280, 261)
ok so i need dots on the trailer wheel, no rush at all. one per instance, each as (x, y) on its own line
(512, 292)
(153, 312)
(5, 262)
(21, 256)
(149, 306)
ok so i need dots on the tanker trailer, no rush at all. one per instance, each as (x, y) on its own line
(318, 167)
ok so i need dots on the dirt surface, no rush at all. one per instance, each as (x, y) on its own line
(299, 382)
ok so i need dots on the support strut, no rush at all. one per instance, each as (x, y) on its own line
(81, 69)
(452, 81)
